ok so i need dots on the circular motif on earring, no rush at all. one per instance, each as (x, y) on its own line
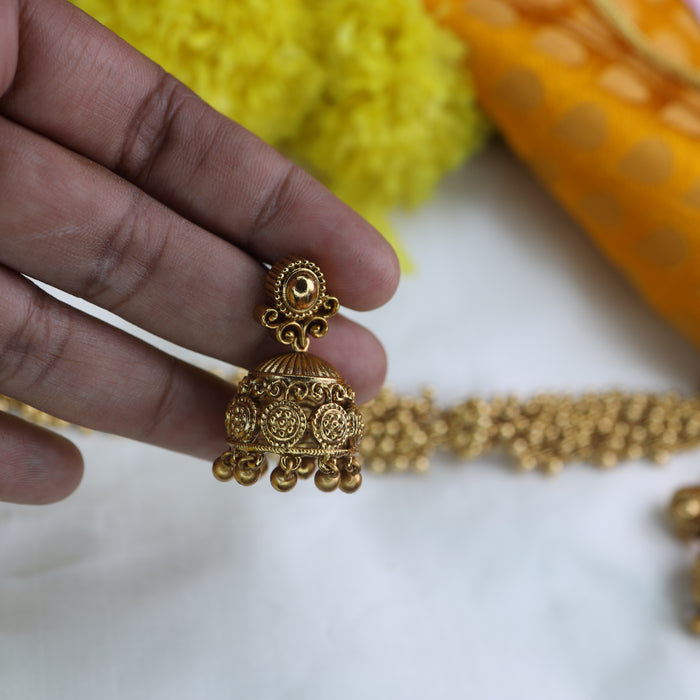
(283, 423)
(299, 289)
(241, 418)
(356, 426)
(330, 425)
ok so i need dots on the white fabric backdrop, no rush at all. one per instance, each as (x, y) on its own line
(155, 581)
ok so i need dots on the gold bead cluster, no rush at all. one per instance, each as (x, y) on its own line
(401, 432)
(544, 432)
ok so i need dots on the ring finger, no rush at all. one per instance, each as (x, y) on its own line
(77, 226)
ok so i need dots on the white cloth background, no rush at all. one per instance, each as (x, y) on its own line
(154, 581)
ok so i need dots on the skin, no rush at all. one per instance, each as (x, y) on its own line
(120, 186)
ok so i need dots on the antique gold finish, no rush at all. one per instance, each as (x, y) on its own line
(295, 405)
(544, 432)
(300, 307)
(685, 513)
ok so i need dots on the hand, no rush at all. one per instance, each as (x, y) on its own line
(120, 186)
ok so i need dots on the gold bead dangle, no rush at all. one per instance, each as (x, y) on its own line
(295, 405)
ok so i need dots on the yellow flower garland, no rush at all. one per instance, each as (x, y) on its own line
(370, 95)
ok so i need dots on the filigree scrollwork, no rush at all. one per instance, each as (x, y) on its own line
(341, 392)
(300, 307)
(330, 426)
(297, 391)
(294, 404)
(241, 419)
(283, 423)
(356, 427)
(337, 393)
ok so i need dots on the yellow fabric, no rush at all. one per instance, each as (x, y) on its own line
(370, 95)
(614, 136)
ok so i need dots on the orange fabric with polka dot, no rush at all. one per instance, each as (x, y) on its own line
(614, 137)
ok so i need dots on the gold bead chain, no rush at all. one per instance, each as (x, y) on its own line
(544, 432)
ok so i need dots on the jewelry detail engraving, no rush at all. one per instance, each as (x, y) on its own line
(241, 419)
(296, 404)
(356, 427)
(283, 423)
(330, 425)
(301, 306)
(299, 289)
(321, 392)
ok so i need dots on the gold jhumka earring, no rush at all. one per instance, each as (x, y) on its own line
(295, 405)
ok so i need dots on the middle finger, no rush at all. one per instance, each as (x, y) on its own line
(73, 224)
(77, 226)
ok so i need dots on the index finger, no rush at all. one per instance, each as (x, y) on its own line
(80, 85)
